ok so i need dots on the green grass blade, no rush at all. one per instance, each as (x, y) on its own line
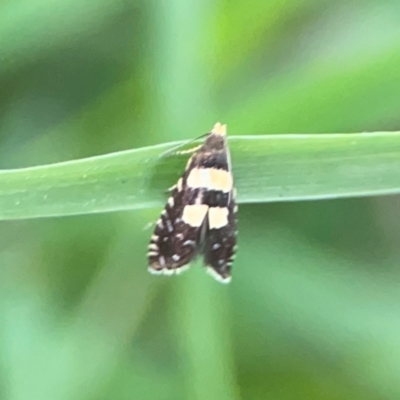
(267, 168)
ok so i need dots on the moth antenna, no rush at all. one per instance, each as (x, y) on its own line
(173, 150)
(149, 225)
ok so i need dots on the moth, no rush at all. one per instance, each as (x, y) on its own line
(200, 215)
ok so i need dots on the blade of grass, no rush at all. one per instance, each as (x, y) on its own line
(267, 168)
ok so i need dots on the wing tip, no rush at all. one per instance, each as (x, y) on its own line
(218, 277)
(177, 271)
(167, 271)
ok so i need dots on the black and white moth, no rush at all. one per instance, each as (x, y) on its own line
(200, 215)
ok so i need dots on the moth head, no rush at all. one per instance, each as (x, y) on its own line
(216, 139)
(219, 129)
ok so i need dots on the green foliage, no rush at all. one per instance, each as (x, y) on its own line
(312, 312)
(267, 168)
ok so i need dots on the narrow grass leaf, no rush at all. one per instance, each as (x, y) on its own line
(267, 169)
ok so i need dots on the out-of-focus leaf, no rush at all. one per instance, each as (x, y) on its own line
(323, 299)
(323, 97)
(29, 28)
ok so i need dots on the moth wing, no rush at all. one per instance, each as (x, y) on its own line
(220, 246)
(174, 243)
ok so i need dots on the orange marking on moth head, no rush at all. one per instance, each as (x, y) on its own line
(219, 129)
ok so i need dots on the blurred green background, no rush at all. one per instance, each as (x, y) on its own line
(313, 311)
